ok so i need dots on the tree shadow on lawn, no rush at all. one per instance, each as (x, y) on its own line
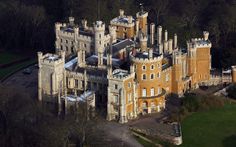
(229, 141)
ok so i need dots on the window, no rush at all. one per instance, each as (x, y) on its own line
(135, 67)
(144, 77)
(61, 47)
(152, 91)
(152, 67)
(66, 41)
(72, 42)
(129, 97)
(76, 83)
(100, 42)
(66, 48)
(61, 40)
(116, 86)
(144, 92)
(129, 84)
(144, 67)
(116, 99)
(159, 90)
(158, 75)
(152, 76)
(167, 77)
(100, 36)
(85, 45)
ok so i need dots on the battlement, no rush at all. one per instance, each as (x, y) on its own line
(142, 14)
(143, 37)
(51, 59)
(123, 24)
(144, 58)
(99, 26)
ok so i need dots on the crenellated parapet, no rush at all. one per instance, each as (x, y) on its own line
(146, 59)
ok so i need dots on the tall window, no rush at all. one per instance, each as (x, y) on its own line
(152, 67)
(116, 99)
(159, 90)
(116, 86)
(158, 75)
(167, 77)
(144, 67)
(144, 92)
(152, 92)
(152, 76)
(144, 77)
(76, 83)
(129, 97)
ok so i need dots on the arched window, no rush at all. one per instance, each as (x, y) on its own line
(144, 92)
(152, 67)
(144, 67)
(152, 76)
(144, 77)
(152, 91)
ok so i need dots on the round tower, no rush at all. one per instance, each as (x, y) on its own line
(112, 31)
(151, 96)
(99, 35)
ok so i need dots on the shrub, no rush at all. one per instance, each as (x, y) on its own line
(232, 91)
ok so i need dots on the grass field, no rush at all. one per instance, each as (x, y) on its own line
(214, 128)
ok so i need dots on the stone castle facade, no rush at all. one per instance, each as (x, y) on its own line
(128, 68)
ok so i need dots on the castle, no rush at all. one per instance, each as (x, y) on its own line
(128, 67)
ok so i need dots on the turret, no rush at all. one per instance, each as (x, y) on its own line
(205, 35)
(112, 31)
(121, 11)
(152, 33)
(166, 35)
(71, 21)
(99, 31)
(143, 42)
(150, 53)
(159, 35)
(175, 41)
(142, 17)
(57, 31)
(170, 45)
(50, 75)
(84, 24)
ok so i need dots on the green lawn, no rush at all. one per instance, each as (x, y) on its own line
(6, 57)
(144, 142)
(214, 128)
(11, 69)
